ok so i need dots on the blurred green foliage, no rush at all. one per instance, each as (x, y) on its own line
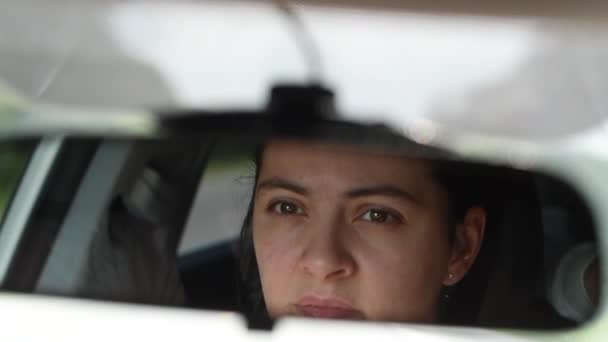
(13, 158)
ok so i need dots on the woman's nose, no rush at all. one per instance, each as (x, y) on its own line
(326, 255)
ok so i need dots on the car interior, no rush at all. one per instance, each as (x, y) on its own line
(148, 211)
(149, 202)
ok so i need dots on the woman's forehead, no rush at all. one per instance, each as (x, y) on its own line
(333, 164)
(300, 149)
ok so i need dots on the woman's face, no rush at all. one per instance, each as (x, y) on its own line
(341, 233)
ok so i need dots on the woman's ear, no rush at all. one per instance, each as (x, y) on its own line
(468, 237)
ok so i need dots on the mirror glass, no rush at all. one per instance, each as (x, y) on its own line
(376, 229)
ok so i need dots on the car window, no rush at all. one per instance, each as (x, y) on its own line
(14, 156)
(221, 201)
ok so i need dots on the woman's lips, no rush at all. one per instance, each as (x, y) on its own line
(312, 306)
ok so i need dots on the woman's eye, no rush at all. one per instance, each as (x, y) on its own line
(378, 216)
(287, 208)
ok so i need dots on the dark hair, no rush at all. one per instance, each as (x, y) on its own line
(463, 183)
(251, 297)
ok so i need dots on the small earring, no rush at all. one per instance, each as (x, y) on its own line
(451, 276)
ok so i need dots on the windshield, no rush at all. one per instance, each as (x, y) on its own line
(476, 73)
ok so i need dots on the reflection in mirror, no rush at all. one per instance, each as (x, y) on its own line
(322, 228)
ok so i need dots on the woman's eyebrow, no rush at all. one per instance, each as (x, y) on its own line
(280, 183)
(384, 190)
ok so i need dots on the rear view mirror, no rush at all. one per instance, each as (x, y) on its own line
(325, 220)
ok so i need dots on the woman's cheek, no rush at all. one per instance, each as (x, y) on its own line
(405, 262)
(273, 237)
(401, 240)
(276, 253)
(385, 242)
